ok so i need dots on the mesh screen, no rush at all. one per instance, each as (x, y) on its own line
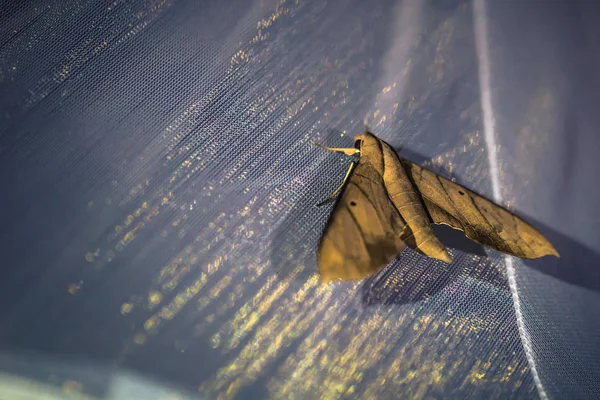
(159, 182)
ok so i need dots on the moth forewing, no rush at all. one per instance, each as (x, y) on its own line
(363, 231)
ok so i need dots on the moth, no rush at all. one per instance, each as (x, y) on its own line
(387, 202)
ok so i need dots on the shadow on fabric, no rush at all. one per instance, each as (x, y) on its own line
(412, 277)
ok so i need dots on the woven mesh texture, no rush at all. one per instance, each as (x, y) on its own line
(159, 182)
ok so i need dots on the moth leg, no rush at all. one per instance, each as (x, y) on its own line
(349, 151)
(352, 164)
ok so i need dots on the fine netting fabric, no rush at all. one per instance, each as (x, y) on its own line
(159, 180)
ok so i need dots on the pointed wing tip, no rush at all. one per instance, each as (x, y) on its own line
(542, 251)
(553, 252)
(547, 249)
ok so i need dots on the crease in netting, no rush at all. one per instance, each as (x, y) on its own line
(483, 60)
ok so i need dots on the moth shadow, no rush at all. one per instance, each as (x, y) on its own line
(413, 277)
(294, 244)
(577, 265)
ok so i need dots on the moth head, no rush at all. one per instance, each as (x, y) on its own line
(364, 139)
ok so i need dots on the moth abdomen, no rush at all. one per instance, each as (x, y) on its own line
(409, 204)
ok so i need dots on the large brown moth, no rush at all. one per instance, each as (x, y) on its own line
(387, 202)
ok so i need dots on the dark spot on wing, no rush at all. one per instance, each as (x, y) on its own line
(461, 193)
(352, 203)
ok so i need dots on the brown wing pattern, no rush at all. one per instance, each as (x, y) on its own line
(363, 232)
(482, 220)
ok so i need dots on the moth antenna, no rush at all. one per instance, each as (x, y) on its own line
(332, 196)
(349, 151)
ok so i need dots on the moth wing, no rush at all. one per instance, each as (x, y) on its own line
(363, 232)
(480, 219)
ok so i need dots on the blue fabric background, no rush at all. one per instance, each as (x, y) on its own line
(159, 180)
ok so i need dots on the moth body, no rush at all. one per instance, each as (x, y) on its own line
(419, 235)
